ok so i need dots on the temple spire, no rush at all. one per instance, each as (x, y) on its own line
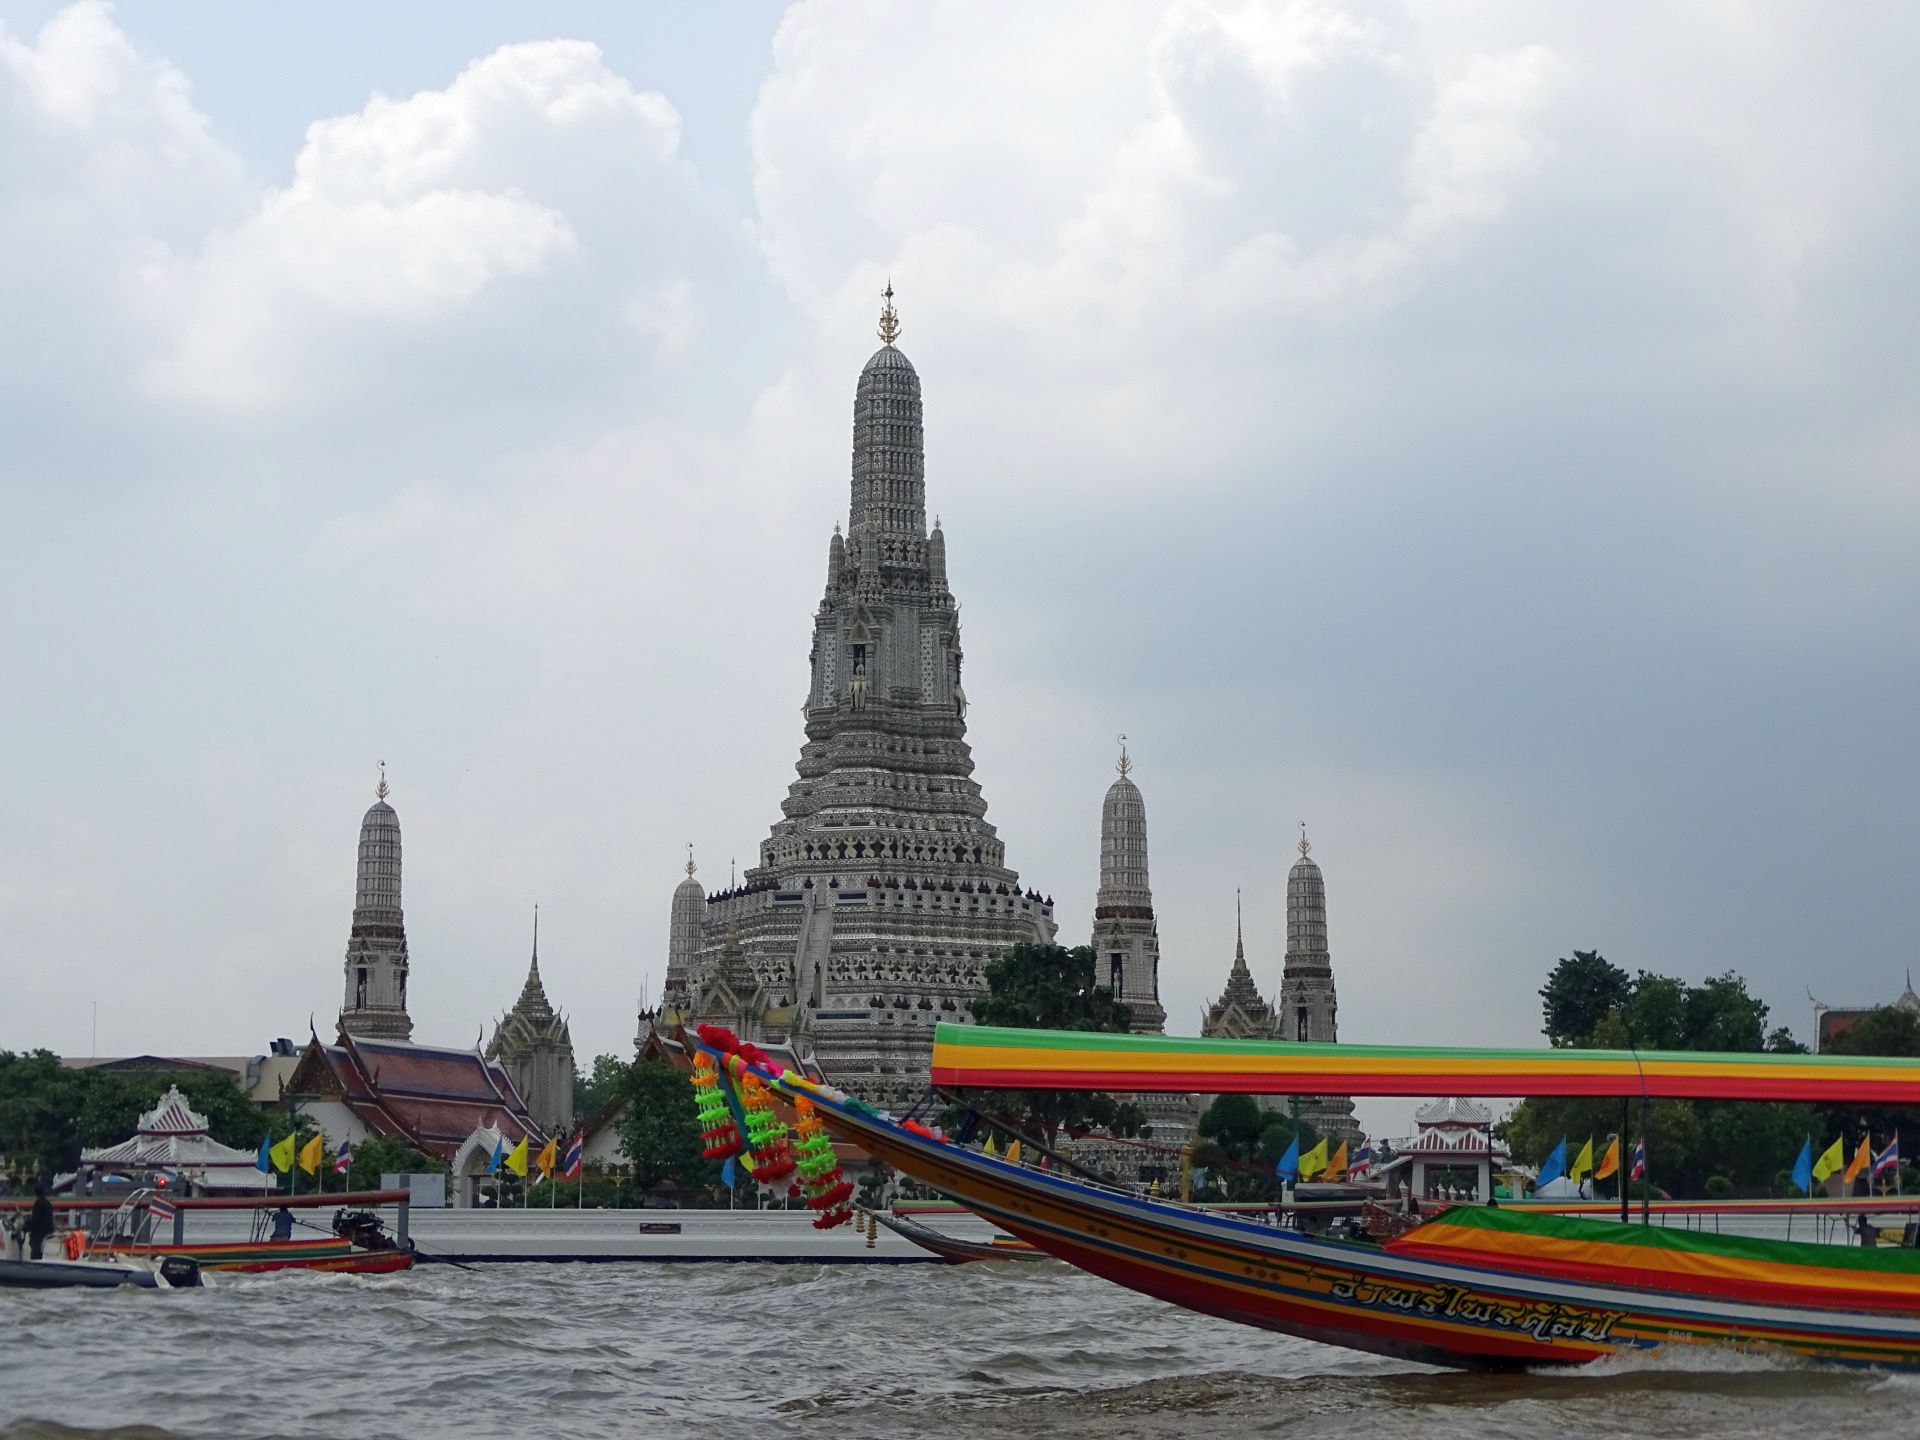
(1239, 934)
(1124, 765)
(536, 937)
(1305, 844)
(380, 791)
(889, 318)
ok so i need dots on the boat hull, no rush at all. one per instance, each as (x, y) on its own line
(330, 1256)
(76, 1275)
(1358, 1296)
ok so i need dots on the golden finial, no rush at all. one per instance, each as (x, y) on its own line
(690, 864)
(1125, 764)
(1304, 846)
(380, 791)
(889, 321)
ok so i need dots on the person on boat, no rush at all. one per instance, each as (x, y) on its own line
(282, 1224)
(40, 1222)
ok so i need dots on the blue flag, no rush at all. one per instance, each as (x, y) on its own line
(1803, 1169)
(1288, 1167)
(499, 1154)
(1554, 1168)
(264, 1164)
(727, 1173)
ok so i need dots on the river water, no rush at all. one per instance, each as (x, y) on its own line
(850, 1351)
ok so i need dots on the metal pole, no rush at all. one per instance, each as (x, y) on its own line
(1646, 1139)
(1625, 1166)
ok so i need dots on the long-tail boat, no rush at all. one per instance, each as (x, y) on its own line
(1475, 1287)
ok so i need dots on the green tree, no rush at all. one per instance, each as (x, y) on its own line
(593, 1092)
(1886, 1031)
(660, 1128)
(1049, 987)
(379, 1155)
(1582, 989)
(1240, 1143)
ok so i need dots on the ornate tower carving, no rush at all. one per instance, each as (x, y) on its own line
(1126, 937)
(376, 965)
(882, 892)
(1241, 1012)
(536, 1047)
(1308, 1008)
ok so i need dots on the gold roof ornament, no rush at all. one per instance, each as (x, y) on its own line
(380, 791)
(1304, 845)
(1125, 764)
(690, 865)
(889, 319)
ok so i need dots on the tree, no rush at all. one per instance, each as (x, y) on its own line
(660, 1127)
(1049, 987)
(1241, 1143)
(1886, 1031)
(379, 1155)
(1581, 990)
(593, 1092)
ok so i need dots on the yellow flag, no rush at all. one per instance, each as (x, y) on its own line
(517, 1158)
(1314, 1161)
(1582, 1163)
(282, 1154)
(1832, 1160)
(549, 1156)
(1337, 1167)
(989, 1148)
(1862, 1158)
(1013, 1153)
(1609, 1162)
(313, 1152)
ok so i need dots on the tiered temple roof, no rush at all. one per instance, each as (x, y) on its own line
(432, 1098)
(173, 1136)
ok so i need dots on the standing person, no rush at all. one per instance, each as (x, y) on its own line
(282, 1224)
(40, 1222)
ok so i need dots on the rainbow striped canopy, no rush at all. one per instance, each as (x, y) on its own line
(1005, 1059)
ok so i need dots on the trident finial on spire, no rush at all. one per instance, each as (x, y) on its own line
(889, 320)
(1125, 763)
(1304, 845)
(380, 791)
(690, 865)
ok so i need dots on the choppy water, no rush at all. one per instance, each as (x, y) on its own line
(849, 1351)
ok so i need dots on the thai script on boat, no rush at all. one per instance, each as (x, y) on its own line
(1539, 1319)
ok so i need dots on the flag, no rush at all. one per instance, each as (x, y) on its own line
(313, 1152)
(516, 1160)
(1288, 1166)
(499, 1154)
(1013, 1153)
(265, 1163)
(1803, 1168)
(1362, 1160)
(345, 1161)
(1553, 1167)
(1314, 1161)
(1337, 1166)
(1862, 1158)
(1610, 1162)
(989, 1148)
(1831, 1159)
(1639, 1171)
(1582, 1163)
(282, 1155)
(727, 1175)
(549, 1157)
(576, 1156)
(1889, 1158)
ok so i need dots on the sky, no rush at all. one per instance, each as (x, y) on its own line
(1485, 433)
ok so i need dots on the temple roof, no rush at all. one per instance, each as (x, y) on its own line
(431, 1097)
(173, 1136)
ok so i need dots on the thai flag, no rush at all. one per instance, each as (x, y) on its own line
(576, 1157)
(1639, 1171)
(1362, 1160)
(1889, 1158)
(160, 1209)
(345, 1162)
